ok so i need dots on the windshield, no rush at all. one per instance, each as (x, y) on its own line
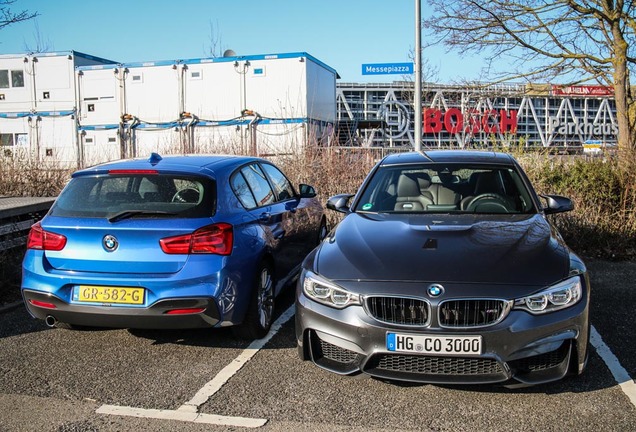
(124, 196)
(446, 188)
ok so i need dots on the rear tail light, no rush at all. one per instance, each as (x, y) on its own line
(45, 240)
(213, 239)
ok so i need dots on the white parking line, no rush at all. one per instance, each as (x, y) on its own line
(181, 416)
(189, 412)
(621, 376)
(228, 371)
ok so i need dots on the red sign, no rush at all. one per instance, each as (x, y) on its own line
(582, 90)
(454, 121)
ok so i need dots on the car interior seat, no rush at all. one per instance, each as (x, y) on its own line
(409, 197)
(444, 198)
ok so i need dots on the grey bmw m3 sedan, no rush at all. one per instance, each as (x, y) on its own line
(446, 269)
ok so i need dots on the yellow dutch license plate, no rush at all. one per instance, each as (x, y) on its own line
(102, 294)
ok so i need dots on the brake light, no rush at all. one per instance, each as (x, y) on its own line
(41, 239)
(132, 171)
(215, 239)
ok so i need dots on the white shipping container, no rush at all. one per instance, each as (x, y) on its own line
(14, 136)
(16, 84)
(153, 91)
(100, 91)
(55, 139)
(277, 87)
(53, 78)
(100, 145)
(212, 90)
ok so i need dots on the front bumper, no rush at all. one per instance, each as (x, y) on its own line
(152, 317)
(522, 348)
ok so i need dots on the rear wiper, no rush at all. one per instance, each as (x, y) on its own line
(133, 213)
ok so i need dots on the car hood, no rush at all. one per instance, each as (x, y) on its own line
(509, 249)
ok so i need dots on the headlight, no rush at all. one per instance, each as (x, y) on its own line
(323, 291)
(557, 297)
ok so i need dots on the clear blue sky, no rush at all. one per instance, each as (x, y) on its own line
(342, 33)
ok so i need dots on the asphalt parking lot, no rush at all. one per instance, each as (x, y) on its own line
(112, 380)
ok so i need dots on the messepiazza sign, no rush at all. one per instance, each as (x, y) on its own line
(454, 121)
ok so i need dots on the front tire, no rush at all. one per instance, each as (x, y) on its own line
(260, 312)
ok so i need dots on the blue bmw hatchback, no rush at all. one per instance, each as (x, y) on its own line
(167, 243)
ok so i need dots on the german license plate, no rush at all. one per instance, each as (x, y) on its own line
(426, 344)
(103, 294)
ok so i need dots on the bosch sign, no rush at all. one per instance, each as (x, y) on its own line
(454, 121)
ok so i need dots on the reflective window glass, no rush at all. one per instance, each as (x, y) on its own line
(284, 190)
(259, 185)
(17, 78)
(242, 191)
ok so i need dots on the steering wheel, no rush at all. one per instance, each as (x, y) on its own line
(489, 203)
(188, 195)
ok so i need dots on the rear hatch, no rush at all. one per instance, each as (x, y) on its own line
(113, 222)
(124, 247)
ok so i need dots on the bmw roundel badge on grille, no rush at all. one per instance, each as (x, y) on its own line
(435, 290)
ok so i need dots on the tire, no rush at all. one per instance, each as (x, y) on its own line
(260, 312)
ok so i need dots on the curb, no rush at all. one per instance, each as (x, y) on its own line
(10, 306)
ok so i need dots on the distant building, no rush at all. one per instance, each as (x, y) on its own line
(563, 117)
(38, 105)
(264, 104)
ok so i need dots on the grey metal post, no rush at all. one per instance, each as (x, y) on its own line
(417, 100)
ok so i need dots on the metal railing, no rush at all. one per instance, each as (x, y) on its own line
(16, 217)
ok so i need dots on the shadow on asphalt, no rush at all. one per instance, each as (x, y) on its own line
(17, 321)
(217, 337)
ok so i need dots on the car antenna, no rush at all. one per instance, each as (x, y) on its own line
(154, 158)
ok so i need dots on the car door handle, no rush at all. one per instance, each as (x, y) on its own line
(265, 217)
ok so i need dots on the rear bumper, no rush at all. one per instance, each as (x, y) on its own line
(152, 317)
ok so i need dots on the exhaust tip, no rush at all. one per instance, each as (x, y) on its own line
(50, 321)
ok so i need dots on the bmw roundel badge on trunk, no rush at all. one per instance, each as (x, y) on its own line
(110, 243)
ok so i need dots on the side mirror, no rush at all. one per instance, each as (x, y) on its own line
(339, 203)
(307, 191)
(557, 204)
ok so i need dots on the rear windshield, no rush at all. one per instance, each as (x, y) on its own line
(446, 188)
(137, 196)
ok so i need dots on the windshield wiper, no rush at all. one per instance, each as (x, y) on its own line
(126, 214)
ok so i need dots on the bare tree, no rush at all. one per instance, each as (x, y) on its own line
(215, 47)
(8, 17)
(572, 41)
(41, 44)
